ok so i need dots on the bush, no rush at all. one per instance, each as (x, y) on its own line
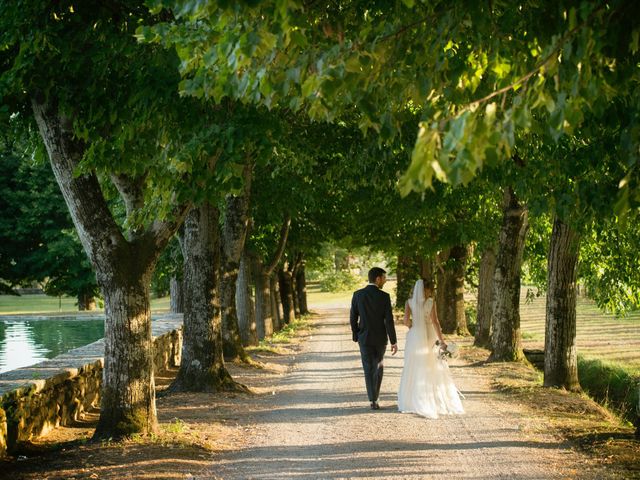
(611, 385)
(471, 314)
(340, 281)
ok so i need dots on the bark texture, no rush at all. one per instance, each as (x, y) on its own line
(264, 317)
(276, 302)
(234, 232)
(86, 302)
(202, 366)
(301, 288)
(244, 304)
(505, 338)
(265, 298)
(485, 297)
(285, 284)
(560, 356)
(123, 269)
(176, 295)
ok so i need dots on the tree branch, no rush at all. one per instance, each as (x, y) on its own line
(282, 243)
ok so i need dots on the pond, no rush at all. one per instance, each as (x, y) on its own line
(28, 340)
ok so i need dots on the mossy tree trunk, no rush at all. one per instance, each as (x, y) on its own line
(485, 297)
(505, 338)
(263, 273)
(176, 295)
(202, 366)
(560, 355)
(123, 263)
(244, 303)
(234, 232)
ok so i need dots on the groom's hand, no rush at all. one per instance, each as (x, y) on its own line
(394, 349)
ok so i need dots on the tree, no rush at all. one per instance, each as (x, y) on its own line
(37, 241)
(113, 125)
(480, 89)
(505, 339)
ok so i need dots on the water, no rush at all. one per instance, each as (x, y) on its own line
(26, 341)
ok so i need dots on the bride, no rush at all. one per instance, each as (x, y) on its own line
(426, 386)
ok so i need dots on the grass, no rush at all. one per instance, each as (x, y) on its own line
(46, 305)
(611, 384)
(289, 331)
(608, 348)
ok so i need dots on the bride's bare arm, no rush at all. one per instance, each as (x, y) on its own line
(407, 312)
(436, 324)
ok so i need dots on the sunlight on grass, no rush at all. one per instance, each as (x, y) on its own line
(599, 335)
(318, 299)
(46, 305)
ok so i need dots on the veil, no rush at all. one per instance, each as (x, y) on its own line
(417, 304)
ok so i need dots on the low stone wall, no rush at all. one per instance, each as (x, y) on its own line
(36, 399)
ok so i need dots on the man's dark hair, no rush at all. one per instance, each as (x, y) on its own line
(374, 273)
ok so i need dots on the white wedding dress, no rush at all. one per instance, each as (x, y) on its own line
(426, 386)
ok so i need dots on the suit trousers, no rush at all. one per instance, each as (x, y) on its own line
(372, 356)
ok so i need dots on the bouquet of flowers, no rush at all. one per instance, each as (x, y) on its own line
(450, 351)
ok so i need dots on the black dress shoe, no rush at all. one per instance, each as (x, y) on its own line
(375, 406)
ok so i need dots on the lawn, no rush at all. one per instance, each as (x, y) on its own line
(599, 335)
(44, 304)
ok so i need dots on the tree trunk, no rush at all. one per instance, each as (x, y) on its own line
(285, 282)
(459, 254)
(560, 357)
(505, 338)
(426, 268)
(176, 295)
(264, 317)
(86, 302)
(485, 298)
(123, 269)
(301, 289)
(276, 304)
(450, 294)
(294, 295)
(266, 302)
(202, 366)
(406, 275)
(444, 293)
(234, 232)
(244, 304)
(128, 360)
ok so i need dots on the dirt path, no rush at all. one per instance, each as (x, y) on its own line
(317, 424)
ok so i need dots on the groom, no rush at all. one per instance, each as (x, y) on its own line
(373, 307)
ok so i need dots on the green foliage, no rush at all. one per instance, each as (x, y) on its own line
(339, 281)
(609, 265)
(37, 239)
(493, 70)
(611, 384)
(169, 265)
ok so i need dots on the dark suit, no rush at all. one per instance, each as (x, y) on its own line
(372, 307)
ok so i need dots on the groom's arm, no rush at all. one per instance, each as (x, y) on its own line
(388, 322)
(353, 318)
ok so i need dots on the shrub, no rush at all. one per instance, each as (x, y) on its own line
(471, 314)
(610, 384)
(339, 281)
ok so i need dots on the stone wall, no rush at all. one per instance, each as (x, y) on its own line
(34, 400)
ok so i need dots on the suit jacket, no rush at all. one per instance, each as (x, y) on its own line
(372, 307)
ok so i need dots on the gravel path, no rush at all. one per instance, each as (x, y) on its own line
(317, 424)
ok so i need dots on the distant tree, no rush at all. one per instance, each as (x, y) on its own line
(37, 240)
